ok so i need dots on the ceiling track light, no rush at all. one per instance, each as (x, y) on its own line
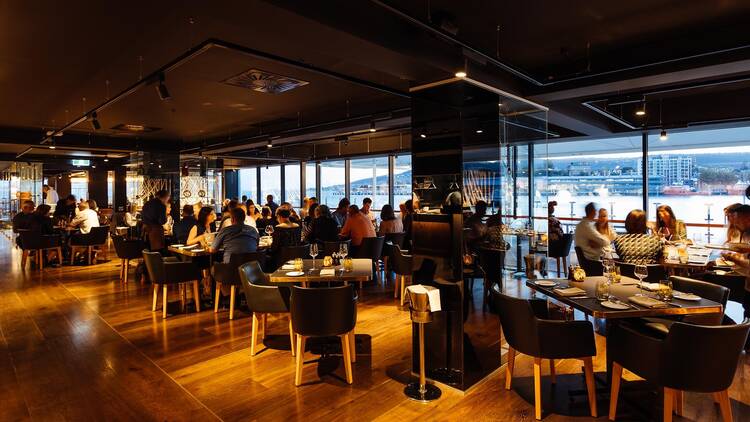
(422, 135)
(663, 135)
(162, 90)
(642, 110)
(95, 122)
(461, 74)
(372, 126)
(269, 144)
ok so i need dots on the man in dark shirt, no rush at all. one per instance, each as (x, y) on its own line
(181, 229)
(272, 205)
(65, 208)
(153, 216)
(236, 238)
(22, 220)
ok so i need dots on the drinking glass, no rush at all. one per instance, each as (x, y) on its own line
(313, 253)
(641, 271)
(269, 229)
(665, 290)
(344, 249)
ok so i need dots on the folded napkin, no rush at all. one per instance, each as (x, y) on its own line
(569, 291)
(287, 267)
(433, 295)
(651, 287)
(689, 296)
(647, 302)
(326, 272)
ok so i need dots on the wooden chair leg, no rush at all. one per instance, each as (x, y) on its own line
(509, 367)
(403, 289)
(127, 270)
(291, 336)
(156, 296)
(254, 334)
(668, 402)
(196, 296)
(353, 346)
(231, 303)
(40, 259)
(24, 258)
(538, 388)
(300, 360)
(679, 402)
(396, 286)
(588, 369)
(552, 377)
(615, 390)
(59, 255)
(89, 250)
(164, 302)
(347, 356)
(122, 270)
(217, 297)
(722, 397)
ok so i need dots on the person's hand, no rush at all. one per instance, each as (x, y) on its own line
(741, 261)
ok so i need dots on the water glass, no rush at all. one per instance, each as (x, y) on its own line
(313, 253)
(641, 271)
(269, 229)
(344, 249)
(665, 290)
(602, 289)
(298, 264)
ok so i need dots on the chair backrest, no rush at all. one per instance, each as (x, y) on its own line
(518, 322)
(491, 261)
(285, 253)
(592, 268)
(656, 272)
(30, 240)
(323, 311)
(560, 247)
(98, 235)
(402, 264)
(397, 239)
(154, 266)
(734, 282)
(259, 295)
(701, 358)
(371, 248)
(287, 236)
(705, 290)
(332, 247)
(128, 248)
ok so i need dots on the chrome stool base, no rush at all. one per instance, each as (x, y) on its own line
(429, 394)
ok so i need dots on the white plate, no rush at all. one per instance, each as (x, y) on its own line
(179, 245)
(686, 296)
(197, 250)
(545, 283)
(295, 273)
(613, 305)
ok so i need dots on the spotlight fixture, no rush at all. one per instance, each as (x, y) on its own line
(269, 144)
(422, 135)
(663, 135)
(372, 127)
(461, 74)
(106, 160)
(95, 122)
(640, 112)
(52, 147)
(480, 131)
(162, 90)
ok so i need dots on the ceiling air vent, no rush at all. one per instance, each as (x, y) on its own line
(262, 81)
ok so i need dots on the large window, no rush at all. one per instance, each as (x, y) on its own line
(249, 184)
(292, 184)
(369, 179)
(698, 174)
(332, 182)
(311, 182)
(79, 186)
(401, 180)
(270, 183)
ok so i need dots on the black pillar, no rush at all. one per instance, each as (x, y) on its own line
(231, 184)
(120, 193)
(98, 187)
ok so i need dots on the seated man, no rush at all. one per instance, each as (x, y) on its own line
(22, 220)
(85, 219)
(237, 238)
(591, 242)
(357, 226)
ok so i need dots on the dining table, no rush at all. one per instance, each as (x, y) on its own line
(360, 273)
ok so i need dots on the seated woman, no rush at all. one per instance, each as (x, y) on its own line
(324, 227)
(264, 220)
(494, 237)
(389, 223)
(602, 225)
(307, 222)
(734, 235)
(197, 234)
(637, 246)
(668, 226)
(286, 233)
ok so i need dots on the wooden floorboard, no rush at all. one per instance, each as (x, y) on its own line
(75, 344)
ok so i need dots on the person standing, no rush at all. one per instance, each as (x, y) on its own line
(366, 206)
(50, 195)
(591, 242)
(154, 216)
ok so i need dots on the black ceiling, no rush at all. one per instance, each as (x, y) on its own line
(571, 56)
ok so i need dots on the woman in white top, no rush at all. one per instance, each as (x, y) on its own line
(131, 216)
(388, 221)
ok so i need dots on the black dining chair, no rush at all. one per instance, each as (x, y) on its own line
(492, 263)
(331, 247)
(324, 312)
(402, 266)
(592, 267)
(371, 248)
(127, 249)
(263, 299)
(33, 242)
(286, 253)
(96, 238)
(714, 292)
(391, 240)
(529, 330)
(164, 272)
(734, 282)
(560, 250)
(228, 274)
(656, 272)
(696, 358)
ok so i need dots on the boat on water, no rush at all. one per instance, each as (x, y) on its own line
(677, 190)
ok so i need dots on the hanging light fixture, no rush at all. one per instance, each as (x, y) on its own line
(640, 112)
(663, 135)
(269, 144)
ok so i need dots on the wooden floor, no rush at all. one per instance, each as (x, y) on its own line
(77, 345)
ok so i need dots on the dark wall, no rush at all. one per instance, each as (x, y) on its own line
(231, 183)
(98, 187)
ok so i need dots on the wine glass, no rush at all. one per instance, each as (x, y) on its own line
(344, 249)
(313, 253)
(269, 229)
(641, 271)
